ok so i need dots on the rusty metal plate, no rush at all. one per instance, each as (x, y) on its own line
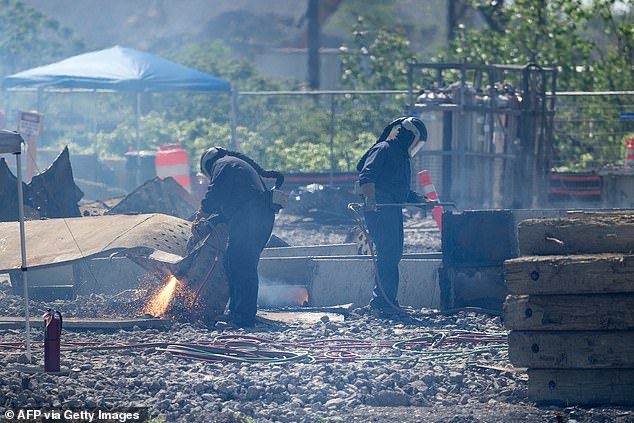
(55, 241)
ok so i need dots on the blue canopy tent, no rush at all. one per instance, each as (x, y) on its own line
(119, 69)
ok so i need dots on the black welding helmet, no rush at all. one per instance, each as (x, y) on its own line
(418, 129)
(209, 157)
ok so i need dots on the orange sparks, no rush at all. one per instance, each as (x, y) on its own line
(158, 305)
(302, 296)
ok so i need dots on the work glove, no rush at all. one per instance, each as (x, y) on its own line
(203, 221)
(369, 193)
(417, 198)
(421, 200)
(200, 214)
(199, 222)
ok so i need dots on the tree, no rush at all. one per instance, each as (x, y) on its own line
(375, 60)
(29, 38)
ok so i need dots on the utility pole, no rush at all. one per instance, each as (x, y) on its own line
(313, 44)
(451, 19)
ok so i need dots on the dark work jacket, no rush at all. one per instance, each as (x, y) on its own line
(387, 166)
(234, 184)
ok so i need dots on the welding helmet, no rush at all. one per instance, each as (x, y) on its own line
(418, 129)
(208, 157)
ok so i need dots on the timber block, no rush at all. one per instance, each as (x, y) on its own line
(576, 274)
(569, 312)
(585, 387)
(572, 349)
(588, 233)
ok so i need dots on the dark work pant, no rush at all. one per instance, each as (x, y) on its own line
(249, 231)
(386, 230)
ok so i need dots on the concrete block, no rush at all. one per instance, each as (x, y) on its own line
(285, 271)
(419, 285)
(340, 281)
(54, 275)
(312, 250)
(98, 275)
(107, 275)
(336, 280)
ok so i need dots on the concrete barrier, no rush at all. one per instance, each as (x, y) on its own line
(331, 274)
(312, 250)
(340, 280)
(94, 275)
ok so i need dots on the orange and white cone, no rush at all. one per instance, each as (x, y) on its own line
(629, 152)
(430, 192)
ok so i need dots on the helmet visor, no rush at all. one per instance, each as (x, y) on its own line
(418, 141)
(207, 157)
(415, 147)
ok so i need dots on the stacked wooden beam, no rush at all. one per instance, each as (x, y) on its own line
(570, 308)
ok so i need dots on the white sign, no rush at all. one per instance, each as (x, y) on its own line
(30, 123)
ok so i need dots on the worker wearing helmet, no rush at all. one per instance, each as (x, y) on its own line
(238, 196)
(384, 177)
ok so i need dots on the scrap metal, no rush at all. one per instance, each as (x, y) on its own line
(56, 241)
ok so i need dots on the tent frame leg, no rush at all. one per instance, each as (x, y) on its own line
(27, 322)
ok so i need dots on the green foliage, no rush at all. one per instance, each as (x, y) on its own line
(29, 38)
(287, 133)
(291, 133)
(591, 43)
(548, 33)
(376, 15)
(377, 60)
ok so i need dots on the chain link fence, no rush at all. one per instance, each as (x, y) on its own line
(590, 130)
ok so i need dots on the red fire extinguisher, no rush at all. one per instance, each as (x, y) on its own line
(53, 333)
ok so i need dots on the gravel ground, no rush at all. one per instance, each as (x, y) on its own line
(453, 368)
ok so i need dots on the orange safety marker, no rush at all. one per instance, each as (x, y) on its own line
(629, 152)
(172, 160)
(430, 191)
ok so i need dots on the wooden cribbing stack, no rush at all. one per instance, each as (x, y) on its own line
(570, 308)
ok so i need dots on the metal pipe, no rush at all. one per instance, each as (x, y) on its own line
(332, 139)
(324, 92)
(23, 251)
(234, 120)
(137, 112)
(419, 205)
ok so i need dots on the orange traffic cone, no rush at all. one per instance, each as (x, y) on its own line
(629, 152)
(430, 191)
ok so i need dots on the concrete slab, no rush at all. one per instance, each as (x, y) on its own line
(285, 270)
(107, 276)
(335, 280)
(92, 275)
(312, 250)
(340, 281)
(299, 316)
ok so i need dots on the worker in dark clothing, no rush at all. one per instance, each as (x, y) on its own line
(384, 177)
(238, 196)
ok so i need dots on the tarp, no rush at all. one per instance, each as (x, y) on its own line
(118, 69)
(10, 142)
